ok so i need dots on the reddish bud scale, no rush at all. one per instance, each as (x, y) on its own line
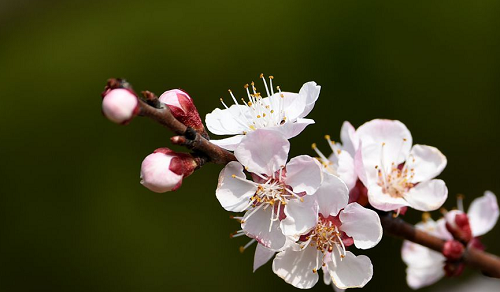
(182, 163)
(453, 269)
(461, 229)
(453, 250)
(183, 109)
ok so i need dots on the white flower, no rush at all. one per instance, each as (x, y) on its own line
(338, 224)
(425, 266)
(397, 174)
(341, 161)
(282, 111)
(276, 191)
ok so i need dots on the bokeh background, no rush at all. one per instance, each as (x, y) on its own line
(73, 216)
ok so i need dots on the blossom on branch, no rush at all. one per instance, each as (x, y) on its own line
(426, 266)
(277, 190)
(120, 105)
(284, 112)
(396, 174)
(337, 226)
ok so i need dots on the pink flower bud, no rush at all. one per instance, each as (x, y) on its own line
(120, 105)
(453, 250)
(164, 169)
(182, 107)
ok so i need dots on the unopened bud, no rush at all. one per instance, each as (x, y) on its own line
(120, 105)
(164, 169)
(453, 250)
(182, 107)
(458, 225)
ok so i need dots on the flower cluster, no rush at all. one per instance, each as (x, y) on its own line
(308, 213)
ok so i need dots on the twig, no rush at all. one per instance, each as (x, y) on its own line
(489, 264)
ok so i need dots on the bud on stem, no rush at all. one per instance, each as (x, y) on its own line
(182, 107)
(120, 105)
(164, 169)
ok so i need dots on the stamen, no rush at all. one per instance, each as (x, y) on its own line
(242, 248)
(460, 202)
(265, 83)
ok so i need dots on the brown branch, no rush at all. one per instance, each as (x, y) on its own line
(187, 137)
(489, 264)
(207, 152)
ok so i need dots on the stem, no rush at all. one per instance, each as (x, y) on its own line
(489, 264)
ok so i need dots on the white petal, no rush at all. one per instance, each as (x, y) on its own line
(425, 266)
(384, 202)
(346, 170)
(263, 151)
(483, 214)
(304, 174)
(262, 256)
(427, 162)
(291, 103)
(350, 141)
(351, 271)
(232, 193)
(384, 142)
(427, 196)
(300, 216)
(362, 224)
(227, 121)
(296, 267)
(229, 143)
(359, 166)
(256, 225)
(310, 92)
(292, 129)
(332, 196)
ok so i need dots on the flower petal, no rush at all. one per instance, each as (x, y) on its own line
(229, 143)
(425, 266)
(303, 174)
(227, 121)
(351, 271)
(483, 214)
(262, 256)
(300, 216)
(428, 195)
(256, 225)
(332, 196)
(384, 142)
(292, 129)
(362, 224)
(296, 267)
(384, 202)
(263, 151)
(426, 161)
(310, 92)
(232, 193)
(346, 169)
(350, 141)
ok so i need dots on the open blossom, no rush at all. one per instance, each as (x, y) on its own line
(284, 112)
(396, 174)
(276, 191)
(426, 266)
(341, 161)
(337, 225)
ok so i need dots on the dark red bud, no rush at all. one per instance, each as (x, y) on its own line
(453, 250)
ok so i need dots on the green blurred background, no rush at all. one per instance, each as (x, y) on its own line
(73, 216)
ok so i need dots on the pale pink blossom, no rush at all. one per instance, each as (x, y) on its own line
(396, 174)
(425, 266)
(337, 225)
(276, 191)
(284, 112)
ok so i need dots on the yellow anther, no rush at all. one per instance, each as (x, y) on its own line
(271, 77)
(258, 116)
(245, 86)
(242, 249)
(426, 216)
(264, 115)
(233, 176)
(313, 146)
(302, 199)
(272, 111)
(229, 90)
(327, 137)
(315, 271)
(261, 75)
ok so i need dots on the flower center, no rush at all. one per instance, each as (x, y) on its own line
(326, 236)
(258, 112)
(396, 182)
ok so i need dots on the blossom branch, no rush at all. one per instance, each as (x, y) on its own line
(489, 264)
(152, 108)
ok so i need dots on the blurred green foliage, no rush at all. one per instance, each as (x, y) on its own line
(73, 215)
